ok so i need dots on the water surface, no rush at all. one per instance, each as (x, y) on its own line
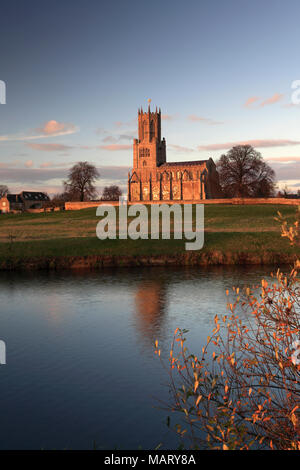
(80, 358)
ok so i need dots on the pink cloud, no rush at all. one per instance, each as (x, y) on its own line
(283, 159)
(55, 165)
(55, 128)
(113, 147)
(273, 99)
(48, 147)
(264, 143)
(211, 122)
(167, 117)
(50, 129)
(250, 101)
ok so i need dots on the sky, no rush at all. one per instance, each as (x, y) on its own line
(76, 73)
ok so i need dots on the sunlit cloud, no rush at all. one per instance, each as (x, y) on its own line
(211, 122)
(48, 147)
(55, 128)
(250, 101)
(49, 129)
(272, 100)
(114, 147)
(283, 159)
(168, 117)
(254, 100)
(263, 143)
(56, 165)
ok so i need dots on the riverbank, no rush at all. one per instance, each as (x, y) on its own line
(238, 235)
(223, 248)
(99, 262)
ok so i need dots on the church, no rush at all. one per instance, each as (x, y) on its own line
(154, 179)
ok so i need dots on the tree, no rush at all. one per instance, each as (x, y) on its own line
(3, 190)
(111, 193)
(243, 173)
(286, 191)
(80, 184)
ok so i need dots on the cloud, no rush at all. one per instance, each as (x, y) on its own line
(290, 105)
(51, 171)
(56, 165)
(250, 101)
(114, 147)
(167, 117)
(179, 148)
(48, 147)
(263, 143)
(50, 129)
(55, 128)
(100, 131)
(110, 138)
(286, 171)
(255, 99)
(283, 159)
(130, 123)
(29, 164)
(129, 136)
(204, 120)
(272, 100)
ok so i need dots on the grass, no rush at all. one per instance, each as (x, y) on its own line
(228, 229)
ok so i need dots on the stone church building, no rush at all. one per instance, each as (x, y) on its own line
(153, 179)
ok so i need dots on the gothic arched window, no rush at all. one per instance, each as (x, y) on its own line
(186, 175)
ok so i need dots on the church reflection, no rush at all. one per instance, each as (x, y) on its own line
(150, 307)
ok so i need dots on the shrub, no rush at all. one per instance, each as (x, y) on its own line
(242, 390)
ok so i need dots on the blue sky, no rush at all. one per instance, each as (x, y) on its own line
(77, 71)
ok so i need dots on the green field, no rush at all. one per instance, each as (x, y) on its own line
(231, 230)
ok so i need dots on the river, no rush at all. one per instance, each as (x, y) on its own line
(81, 369)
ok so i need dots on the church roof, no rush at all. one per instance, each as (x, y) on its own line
(190, 163)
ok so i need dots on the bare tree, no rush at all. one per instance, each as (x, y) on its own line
(111, 193)
(243, 173)
(80, 184)
(3, 190)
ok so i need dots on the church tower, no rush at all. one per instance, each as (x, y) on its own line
(152, 178)
(149, 151)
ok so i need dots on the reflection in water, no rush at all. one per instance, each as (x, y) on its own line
(150, 302)
(76, 369)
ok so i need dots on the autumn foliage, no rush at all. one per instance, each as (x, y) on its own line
(242, 390)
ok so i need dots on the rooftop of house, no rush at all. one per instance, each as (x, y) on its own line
(34, 196)
(27, 196)
(13, 198)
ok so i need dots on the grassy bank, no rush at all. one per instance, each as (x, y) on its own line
(233, 235)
